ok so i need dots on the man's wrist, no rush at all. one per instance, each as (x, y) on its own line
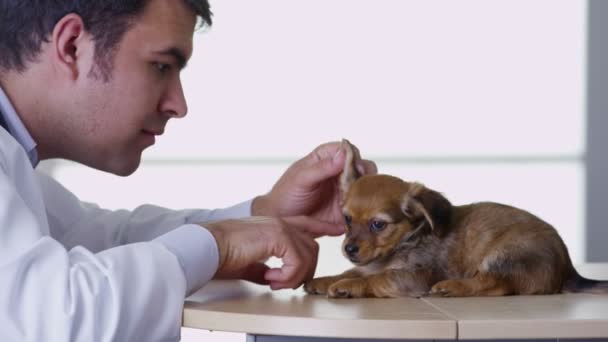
(219, 236)
(193, 246)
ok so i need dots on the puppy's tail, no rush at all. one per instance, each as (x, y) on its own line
(580, 284)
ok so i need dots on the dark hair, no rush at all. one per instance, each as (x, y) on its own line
(25, 25)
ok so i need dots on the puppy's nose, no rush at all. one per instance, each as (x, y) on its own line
(351, 249)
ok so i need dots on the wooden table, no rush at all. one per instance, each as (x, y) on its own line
(287, 315)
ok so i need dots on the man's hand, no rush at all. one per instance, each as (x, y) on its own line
(245, 243)
(310, 186)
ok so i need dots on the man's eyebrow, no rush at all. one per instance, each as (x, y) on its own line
(176, 53)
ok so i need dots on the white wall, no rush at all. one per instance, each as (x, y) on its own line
(479, 99)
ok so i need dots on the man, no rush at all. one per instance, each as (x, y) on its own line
(95, 82)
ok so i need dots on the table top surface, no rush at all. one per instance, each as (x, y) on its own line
(238, 306)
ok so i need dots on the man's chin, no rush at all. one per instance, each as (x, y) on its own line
(126, 172)
(121, 167)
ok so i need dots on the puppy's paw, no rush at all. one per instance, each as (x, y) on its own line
(450, 288)
(347, 288)
(318, 286)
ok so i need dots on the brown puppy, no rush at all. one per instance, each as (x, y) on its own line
(408, 240)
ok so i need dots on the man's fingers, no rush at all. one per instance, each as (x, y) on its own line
(298, 252)
(288, 250)
(326, 151)
(315, 173)
(309, 248)
(255, 273)
(290, 239)
(316, 228)
(284, 277)
(313, 268)
(290, 284)
(328, 160)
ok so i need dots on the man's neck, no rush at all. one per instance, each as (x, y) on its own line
(12, 123)
(27, 102)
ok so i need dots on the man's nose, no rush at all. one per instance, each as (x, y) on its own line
(174, 101)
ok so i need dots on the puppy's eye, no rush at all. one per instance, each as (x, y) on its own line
(377, 225)
(348, 220)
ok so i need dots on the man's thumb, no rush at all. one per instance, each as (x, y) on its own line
(324, 168)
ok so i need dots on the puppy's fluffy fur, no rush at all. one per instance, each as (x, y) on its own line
(408, 240)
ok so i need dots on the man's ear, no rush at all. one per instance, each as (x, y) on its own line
(349, 173)
(71, 45)
(421, 204)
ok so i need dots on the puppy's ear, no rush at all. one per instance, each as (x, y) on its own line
(426, 207)
(349, 173)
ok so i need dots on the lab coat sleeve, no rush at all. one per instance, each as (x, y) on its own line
(71, 271)
(48, 292)
(75, 223)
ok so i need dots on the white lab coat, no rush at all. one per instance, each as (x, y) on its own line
(70, 271)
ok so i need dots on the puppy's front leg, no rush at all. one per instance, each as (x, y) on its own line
(391, 283)
(321, 285)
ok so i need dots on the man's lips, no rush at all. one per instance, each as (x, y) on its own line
(150, 135)
(153, 131)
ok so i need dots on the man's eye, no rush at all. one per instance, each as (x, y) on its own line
(162, 67)
(377, 225)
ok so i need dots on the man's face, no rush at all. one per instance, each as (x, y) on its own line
(119, 118)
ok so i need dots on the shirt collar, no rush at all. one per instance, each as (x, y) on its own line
(17, 129)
